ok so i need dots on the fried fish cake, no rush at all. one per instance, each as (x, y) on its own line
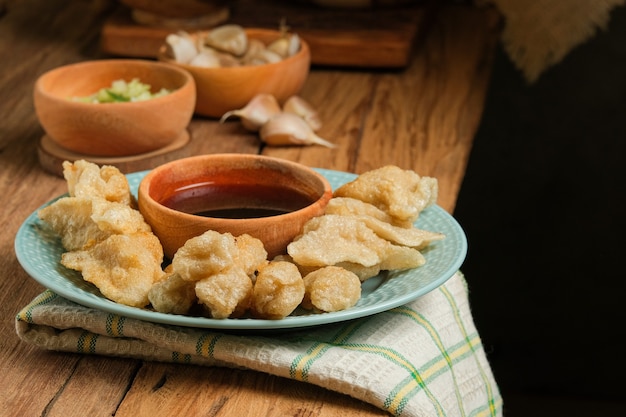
(278, 291)
(225, 294)
(123, 267)
(70, 218)
(331, 289)
(205, 255)
(82, 222)
(347, 241)
(251, 254)
(331, 239)
(405, 236)
(398, 257)
(172, 295)
(363, 272)
(347, 206)
(402, 194)
(117, 218)
(86, 179)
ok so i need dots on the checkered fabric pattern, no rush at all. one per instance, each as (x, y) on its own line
(421, 359)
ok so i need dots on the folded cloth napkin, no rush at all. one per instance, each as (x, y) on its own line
(538, 34)
(421, 359)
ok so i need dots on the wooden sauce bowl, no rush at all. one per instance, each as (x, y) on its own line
(284, 194)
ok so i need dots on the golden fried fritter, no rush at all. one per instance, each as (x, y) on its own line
(330, 239)
(173, 295)
(347, 206)
(123, 267)
(70, 218)
(401, 257)
(251, 254)
(225, 294)
(205, 255)
(402, 194)
(82, 222)
(331, 289)
(278, 290)
(409, 236)
(363, 272)
(86, 179)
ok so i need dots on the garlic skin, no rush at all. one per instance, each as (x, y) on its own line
(229, 43)
(294, 44)
(181, 47)
(290, 129)
(228, 38)
(254, 47)
(299, 106)
(263, 57)
(285, 46)
(206, 59)
(256, 113)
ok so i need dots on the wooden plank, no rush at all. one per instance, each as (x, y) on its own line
(163, 390)
(366, 38)
(112, 377)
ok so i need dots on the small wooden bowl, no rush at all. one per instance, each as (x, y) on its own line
(228, 88)
(114, 129)
(240, 184)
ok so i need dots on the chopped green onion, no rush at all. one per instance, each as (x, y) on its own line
(122, 91)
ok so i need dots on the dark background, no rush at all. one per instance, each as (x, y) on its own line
(542, 206)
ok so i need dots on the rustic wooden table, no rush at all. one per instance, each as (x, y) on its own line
(422, 118)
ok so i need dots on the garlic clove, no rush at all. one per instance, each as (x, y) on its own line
(285, 46)
(299, 106)
(206, 59)
(181, 47)
(229, 38)
(255, 46)
(280, 46)
(227, 60)
(294, 44)
(290, 129)
(256, 113)
(263, 57)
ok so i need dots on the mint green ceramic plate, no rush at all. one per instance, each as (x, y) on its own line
(39, 252)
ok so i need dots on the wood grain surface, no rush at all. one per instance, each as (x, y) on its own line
(422, 118)
(370, 38)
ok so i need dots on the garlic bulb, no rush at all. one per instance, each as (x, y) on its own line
(181, 47)
(228, 38)
(290, 129)
(256, 113)
(297, 105)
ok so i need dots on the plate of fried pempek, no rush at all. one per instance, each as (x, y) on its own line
(396, 248)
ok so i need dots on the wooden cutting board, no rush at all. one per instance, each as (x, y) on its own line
(375, 37)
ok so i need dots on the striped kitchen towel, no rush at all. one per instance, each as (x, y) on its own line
(421, 359)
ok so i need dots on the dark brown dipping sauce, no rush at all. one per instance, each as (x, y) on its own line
(236, 201)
